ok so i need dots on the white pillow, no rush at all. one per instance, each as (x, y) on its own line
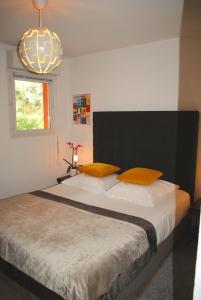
(144, 195)
(92, 183)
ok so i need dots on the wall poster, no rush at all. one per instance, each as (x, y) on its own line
(81, 109)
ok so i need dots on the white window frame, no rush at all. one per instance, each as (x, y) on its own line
(23, 75)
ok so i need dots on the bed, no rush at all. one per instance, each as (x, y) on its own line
(162, 140)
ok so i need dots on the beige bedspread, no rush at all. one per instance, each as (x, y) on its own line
(75, 253)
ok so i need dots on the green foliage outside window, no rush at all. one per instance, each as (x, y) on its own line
(29, 105)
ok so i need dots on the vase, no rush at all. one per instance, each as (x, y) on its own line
(73, 172)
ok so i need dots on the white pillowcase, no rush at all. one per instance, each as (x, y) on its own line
(144, 195)
(92, 183)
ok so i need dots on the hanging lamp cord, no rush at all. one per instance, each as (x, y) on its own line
(40, 18)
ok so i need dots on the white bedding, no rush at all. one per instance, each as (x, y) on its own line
(164, 216)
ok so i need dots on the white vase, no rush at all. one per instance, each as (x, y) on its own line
(73, 172)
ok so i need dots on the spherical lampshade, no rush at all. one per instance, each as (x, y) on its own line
(40, 50)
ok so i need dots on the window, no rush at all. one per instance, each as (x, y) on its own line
(31, 107)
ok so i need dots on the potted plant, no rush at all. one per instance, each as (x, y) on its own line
(73, 166)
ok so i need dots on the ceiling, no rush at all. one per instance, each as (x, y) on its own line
(88, 26)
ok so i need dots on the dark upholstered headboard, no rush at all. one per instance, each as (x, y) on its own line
(163, 140)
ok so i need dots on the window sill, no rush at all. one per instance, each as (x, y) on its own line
(30, 133)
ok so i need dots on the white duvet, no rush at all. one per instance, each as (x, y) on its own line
(164, 216)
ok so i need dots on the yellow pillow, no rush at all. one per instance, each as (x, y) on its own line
(140, 176)
(98, 169)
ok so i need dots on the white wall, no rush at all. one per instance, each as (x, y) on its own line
(29, 163)
(143, 77)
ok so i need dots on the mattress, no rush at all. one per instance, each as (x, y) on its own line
(164, 216)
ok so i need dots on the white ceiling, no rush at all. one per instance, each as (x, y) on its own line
(88, 26)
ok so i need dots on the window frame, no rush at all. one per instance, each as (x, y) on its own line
(26, 76)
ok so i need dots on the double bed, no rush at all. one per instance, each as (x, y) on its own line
(68, 243)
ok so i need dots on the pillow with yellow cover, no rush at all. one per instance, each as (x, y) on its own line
(142, 176)
(98, 169)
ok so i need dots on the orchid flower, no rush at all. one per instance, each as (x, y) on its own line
(75, 148)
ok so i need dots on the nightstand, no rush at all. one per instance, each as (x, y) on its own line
(194, 212)
(60, 179)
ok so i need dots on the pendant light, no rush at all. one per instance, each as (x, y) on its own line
(39, 48)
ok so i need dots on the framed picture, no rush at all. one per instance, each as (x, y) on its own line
(81, 109)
